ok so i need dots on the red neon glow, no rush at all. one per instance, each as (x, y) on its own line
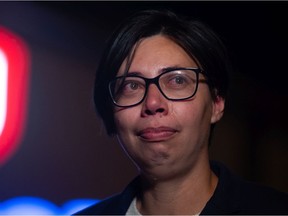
(16, 57)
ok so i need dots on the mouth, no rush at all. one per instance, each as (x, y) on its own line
(156, 134)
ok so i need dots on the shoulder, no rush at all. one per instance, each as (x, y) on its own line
(108, 206)
(116, 204)
(262, 199)
(236, 195)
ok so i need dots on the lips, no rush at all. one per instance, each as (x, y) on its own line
(156, 134)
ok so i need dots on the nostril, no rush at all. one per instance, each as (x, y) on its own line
(148, 112)
(152, 112)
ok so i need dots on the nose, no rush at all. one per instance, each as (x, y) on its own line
(154, 103)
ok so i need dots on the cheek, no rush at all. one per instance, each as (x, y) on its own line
(186, 112)
(124, 119)
(194, 117)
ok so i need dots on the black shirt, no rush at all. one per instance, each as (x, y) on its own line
(232, 196)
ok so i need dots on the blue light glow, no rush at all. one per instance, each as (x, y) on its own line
(27, 205)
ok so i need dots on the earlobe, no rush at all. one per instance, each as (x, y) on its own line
(217, 109)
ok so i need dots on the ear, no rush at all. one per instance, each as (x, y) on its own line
(218, 106)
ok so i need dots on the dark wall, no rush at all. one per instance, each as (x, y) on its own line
(65, 152)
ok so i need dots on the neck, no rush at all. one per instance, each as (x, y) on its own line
(186, 194)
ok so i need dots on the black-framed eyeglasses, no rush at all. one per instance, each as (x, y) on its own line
(175, 84)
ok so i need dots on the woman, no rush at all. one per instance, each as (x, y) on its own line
(160, 88)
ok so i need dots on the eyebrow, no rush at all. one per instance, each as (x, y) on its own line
(162, 70)
(170, 68)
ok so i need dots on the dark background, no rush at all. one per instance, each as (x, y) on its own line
(65, 153)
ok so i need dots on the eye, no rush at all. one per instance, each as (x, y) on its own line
(177, 81)
(132, 86)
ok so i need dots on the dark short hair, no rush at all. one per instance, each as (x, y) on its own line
(197, 39)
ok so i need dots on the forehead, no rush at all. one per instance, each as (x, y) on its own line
(154, 53)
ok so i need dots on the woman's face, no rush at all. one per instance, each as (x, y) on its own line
(165, 138)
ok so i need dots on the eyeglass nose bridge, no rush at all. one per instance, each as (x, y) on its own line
(149, 81)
